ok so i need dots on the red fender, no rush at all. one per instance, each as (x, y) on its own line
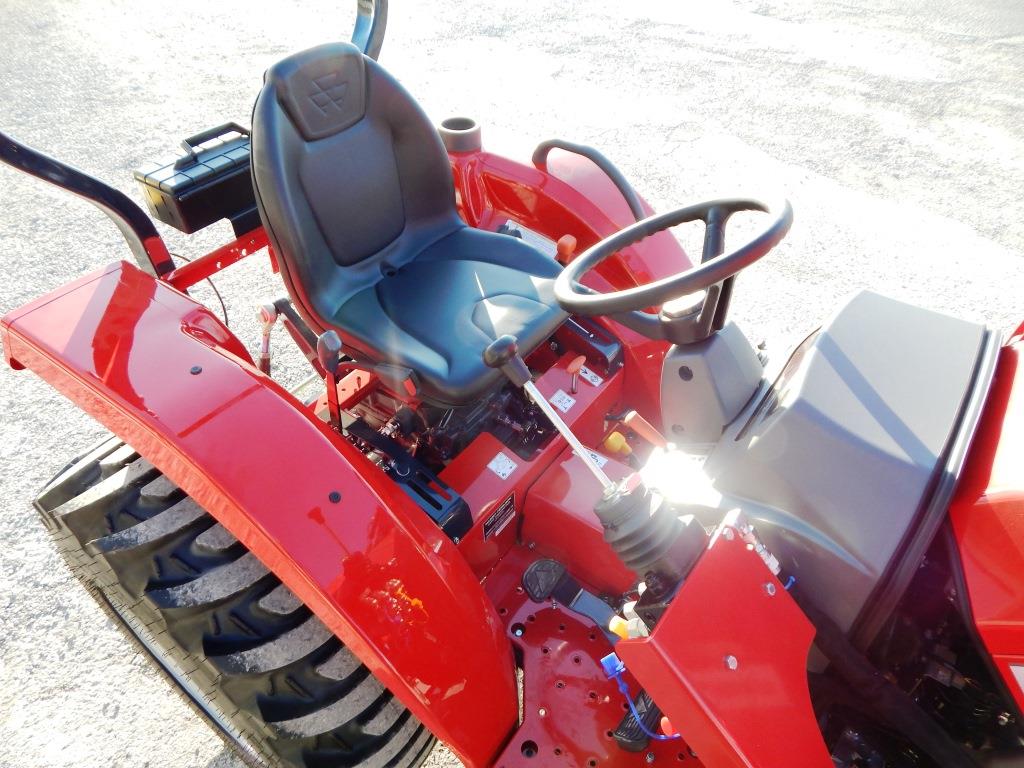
(162, 372)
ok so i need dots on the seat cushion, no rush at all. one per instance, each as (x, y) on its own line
(437, 313)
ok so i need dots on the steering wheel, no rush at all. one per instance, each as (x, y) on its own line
(693, 303)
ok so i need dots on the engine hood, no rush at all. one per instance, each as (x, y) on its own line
(846, 463)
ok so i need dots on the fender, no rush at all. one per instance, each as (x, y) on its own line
(162, 373)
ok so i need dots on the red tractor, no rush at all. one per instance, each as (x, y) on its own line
(539, 499)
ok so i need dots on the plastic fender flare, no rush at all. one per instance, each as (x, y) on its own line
(163, 374)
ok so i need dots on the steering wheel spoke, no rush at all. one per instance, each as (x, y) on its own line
(716, 270)
(714, 233)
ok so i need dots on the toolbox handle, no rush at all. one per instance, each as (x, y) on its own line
(189, 144)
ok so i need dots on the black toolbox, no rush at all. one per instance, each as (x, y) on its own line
(210, 182)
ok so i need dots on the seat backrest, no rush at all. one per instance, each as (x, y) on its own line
(351, 177)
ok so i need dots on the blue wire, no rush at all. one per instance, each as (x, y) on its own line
(636, 715)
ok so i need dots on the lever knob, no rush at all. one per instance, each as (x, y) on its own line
(268, 313)
(328, 351)
(503, 353)
(573, 369)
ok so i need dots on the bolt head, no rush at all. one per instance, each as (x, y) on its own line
(731, 663)
(518, 632)
(769, 588)
(195, 370)
(334, 497)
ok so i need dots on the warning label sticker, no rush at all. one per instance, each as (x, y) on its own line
(502, 466)
(536, 239)
(590, 377)
(500, 517)
(562, 401)
(598, 458)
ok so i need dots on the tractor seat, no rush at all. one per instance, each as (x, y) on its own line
(356, 194)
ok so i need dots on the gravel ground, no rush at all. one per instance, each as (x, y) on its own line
(896, 134)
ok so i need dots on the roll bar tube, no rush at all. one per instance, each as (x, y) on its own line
(137, 228)
(371, 23)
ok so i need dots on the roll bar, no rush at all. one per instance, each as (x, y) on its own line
(371, 23)
(137, 228)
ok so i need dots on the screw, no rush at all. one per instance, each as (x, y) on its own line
(195, 370)
(731, 662)
(334, 497)
(649, 757)
(1004, 718)
(518, 631)
(455, 540)
(542, 712)
(770, 589)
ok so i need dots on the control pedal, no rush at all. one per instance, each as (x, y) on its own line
(548, 579)
(629, 735)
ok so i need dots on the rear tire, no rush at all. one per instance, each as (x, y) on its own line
(245, 652)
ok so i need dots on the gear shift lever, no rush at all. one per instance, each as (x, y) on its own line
(504, 354)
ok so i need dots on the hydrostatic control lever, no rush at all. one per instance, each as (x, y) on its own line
(651, 537)
(328, 352)
(503, 353)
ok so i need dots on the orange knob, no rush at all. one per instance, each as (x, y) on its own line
(644, 429)
(616, 443)
(565, 249)
(619, 626)
(574, 369)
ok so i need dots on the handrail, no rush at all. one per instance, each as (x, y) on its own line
(540, 159)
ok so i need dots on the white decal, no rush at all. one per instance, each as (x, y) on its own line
(536, 239)
(589, 376)
(502, 466)
(562, 401)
